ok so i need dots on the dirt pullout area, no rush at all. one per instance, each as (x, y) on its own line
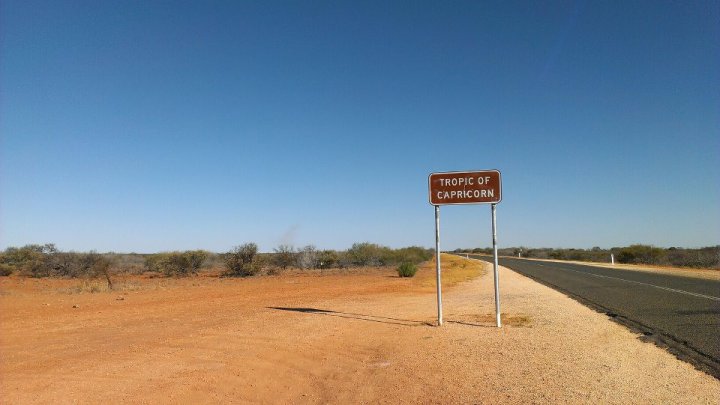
(336, 337)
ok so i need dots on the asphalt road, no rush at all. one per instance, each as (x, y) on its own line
(680, 313)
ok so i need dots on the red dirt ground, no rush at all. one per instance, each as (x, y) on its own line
(360, 336)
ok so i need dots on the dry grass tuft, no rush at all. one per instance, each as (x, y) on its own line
(515, 320)
(518, 320)
(101, 286)
(454, 270)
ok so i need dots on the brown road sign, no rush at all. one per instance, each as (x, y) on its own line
(480, 187)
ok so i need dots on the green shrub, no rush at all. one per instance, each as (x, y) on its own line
(177, 264)
(370, 254)
(95, 265)
(5, 270)
(241, 260)
(48, 261)
(153, 262)
(640, 254)
(30, 260)
(328, 259)
(407, 270)
(412, 254)
(195, 259)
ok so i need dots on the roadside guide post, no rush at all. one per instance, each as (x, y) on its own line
(457, 188)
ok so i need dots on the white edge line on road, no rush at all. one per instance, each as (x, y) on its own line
(710, 297)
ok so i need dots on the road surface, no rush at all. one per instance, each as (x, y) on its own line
(682, 313)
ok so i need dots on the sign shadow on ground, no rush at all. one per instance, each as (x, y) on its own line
(350, 315)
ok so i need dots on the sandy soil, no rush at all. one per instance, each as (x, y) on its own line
(336, 337)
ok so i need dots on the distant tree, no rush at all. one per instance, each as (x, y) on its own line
(284, 256)
(307, 257)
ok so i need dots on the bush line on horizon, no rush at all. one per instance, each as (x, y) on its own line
(706, 257)
(241, 261)
(245, 260)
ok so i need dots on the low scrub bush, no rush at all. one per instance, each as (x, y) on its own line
(284, 256)
(707, 257)
(412, 254)
(328, 259)
(366, 254)
(308, 257)
(407, 270)
(29, 260)
(176, 264)
(241, 260)
(47, 261)
(640, 254)
(5, 270)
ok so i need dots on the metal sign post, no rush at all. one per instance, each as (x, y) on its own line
(495, 267)
(452, 188)
(437, 264)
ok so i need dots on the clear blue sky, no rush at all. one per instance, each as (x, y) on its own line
(147, 125)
